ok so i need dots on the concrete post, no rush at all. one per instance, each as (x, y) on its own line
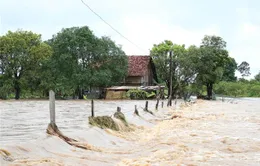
(52, 107)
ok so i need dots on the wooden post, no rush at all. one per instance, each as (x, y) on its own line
(162, 104)
(136, 111)
(146, 106)
(92, 108)
(170, 91)
(52, 108)
(161, 92)
(157, 104)
(158, 98)
(118, 109)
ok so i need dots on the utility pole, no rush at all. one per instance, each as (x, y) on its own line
(170, 95)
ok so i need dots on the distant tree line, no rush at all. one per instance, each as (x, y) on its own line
(72, 61)
(240, 88)
(197, 69)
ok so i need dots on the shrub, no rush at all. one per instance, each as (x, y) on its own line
(137, 94)
(238, 89)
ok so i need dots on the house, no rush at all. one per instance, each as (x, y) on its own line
(141, 75)
(141, 71)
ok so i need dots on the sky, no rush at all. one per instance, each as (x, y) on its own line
(145, 22)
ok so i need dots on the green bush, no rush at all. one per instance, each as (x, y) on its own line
(238, 89)
(254, 91)
(5, 89)
(137, 94)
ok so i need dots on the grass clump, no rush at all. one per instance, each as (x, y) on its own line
(117, 122)
(103, 122)
(119, 115)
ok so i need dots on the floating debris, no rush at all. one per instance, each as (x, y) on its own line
(6, 155)
(53, 130)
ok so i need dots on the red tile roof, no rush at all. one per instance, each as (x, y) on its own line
(138, 65)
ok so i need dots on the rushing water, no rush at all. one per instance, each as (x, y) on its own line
(22, 121)
(206, 133)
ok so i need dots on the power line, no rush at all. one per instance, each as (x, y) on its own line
(111, 26)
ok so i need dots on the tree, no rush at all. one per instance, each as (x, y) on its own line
(74, 50)
(81, 61)
(213, 59)
(257, 77)
(229, 70)
(112, 65)
(21, 53)
(34, 77)
(244, 69)
(160, 53)
(183, 69)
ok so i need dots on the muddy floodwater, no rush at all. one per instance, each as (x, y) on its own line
(204, 133)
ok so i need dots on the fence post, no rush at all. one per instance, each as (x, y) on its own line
(146, 106)
(92, 108)
(52, 107)
(162, 104)
(157, 104)
(136, 111)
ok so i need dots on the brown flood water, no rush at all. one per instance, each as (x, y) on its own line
(205, 133)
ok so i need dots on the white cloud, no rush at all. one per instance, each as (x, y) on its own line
(250, 31)
(145, 32)
(247, 47)
(242, 13)
(143, 22)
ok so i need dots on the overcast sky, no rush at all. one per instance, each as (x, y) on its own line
(145, 22)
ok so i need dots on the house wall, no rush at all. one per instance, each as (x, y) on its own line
(113, 95)
(150, 74)
(148, 78)
(145, 80)
(134, 80)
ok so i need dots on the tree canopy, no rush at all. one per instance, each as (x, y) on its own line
(257, 77)
(204, 65)
(21, 55)
(83, 60)
(183, 69)
(72, 61)
(213, 60)
(75, 60)
(244, 69)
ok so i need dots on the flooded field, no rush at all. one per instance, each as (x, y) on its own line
(205, 133)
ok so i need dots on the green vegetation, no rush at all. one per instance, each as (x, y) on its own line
(257, 77)
(137, 94)
(72, 61)
(197, 69)
(238, 89)
(22, 54)
(119, 115)
(75, 60)
(103, 122)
